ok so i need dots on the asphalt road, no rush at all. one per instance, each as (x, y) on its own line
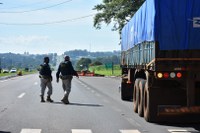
(95, 107)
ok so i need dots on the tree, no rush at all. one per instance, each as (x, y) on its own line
(109, 59)
(118, 11)
(83, 64)
(96, 63)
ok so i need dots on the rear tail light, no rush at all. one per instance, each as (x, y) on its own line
(172, 75)
(160, 75)
(166, 75)
(179, 75)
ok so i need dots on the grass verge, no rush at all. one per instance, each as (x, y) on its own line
(103, 70)
(11, 74)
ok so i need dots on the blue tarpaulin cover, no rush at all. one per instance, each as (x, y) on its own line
(175, 24)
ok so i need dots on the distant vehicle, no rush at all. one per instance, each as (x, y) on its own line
(5, 71)
(13, 70)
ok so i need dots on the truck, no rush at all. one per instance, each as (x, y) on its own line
(160, 61)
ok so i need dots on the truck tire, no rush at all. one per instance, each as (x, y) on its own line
(150, 104)
(141, 98)
(126, 91)
(146, 104)
(136, 95)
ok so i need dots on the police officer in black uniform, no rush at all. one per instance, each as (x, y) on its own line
(46, 79)
(67, 71)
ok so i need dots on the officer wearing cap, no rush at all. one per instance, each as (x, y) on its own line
(46, 79)
(66, 72)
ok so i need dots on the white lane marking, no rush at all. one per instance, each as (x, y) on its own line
(129, 131)
(21, 95)
(36, 83)
(98, 95)
(178, 131)
(88, 88)
(82, 83)
(85, 86)
(81, 131)
(31, 131)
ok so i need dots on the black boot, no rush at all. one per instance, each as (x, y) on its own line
(42, 99)
(49, 99)
(65, 99)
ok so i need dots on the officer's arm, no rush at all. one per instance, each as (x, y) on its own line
(41, 70)
(57, 74)
(76, 74)
(73, 71)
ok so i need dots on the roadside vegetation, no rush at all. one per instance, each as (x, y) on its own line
(107, 66)
(82, 60)
(19, 72)
(105, 70)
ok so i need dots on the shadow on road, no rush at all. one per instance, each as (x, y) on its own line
(79, 104)
(90, 105)
(4, 132)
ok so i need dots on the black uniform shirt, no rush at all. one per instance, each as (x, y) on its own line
(65, 68)
(45, 70)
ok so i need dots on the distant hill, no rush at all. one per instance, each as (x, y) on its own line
(77, 54)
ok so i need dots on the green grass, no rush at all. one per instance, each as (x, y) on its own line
(102, 70)
(23, 73)
(6, 74)
(31, 72)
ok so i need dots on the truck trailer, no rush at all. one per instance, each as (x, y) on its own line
(160, 61)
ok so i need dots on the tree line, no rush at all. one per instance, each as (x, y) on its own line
(78, 58)
(22, 61)
(82, 59)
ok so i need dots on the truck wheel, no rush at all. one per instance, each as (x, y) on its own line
(136, 95)
(146, 104)
(141, 98)
(126, 91)
(150, 104)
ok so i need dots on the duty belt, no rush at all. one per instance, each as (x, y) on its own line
(65, 76)
(45, 77)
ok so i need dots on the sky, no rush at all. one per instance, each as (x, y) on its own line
(53, 26)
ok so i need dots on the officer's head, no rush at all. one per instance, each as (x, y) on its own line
(46, 60)
(67, 58)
